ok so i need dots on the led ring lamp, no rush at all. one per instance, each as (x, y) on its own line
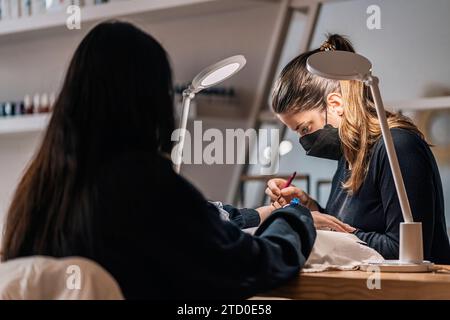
(343, 65)
(208, 77)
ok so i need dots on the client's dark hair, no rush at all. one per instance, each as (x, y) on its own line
(117, 94)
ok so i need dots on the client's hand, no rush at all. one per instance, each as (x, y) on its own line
(265, 212)
(326, 221)
(284, 196)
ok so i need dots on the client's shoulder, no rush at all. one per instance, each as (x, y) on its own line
(134, 165)
(141, 169)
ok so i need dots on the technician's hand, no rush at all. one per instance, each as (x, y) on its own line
(326, 221)
(287, 194)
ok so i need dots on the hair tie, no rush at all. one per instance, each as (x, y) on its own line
(326, 46)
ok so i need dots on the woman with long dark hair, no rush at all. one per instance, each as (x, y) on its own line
(100, 187)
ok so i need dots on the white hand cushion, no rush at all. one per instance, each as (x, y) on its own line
(339, 250)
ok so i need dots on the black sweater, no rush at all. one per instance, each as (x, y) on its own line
(375, 209)
(160, 239)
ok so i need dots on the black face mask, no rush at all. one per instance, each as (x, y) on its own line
(323, 143)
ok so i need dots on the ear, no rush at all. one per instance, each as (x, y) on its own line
(335, 103)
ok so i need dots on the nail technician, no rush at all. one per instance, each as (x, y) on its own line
(337, 120)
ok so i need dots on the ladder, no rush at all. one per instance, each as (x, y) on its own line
(260, 112)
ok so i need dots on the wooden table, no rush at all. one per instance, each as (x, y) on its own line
(343, 285)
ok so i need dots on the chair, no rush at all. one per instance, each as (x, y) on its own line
(47, 278)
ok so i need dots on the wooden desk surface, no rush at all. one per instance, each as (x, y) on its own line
(348, 285)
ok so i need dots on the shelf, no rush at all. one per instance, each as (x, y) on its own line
(24, 123)
(125, 8)
(38, 123)
(420, 104)
(400, 105)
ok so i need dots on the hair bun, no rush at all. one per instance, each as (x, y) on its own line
(337, 42)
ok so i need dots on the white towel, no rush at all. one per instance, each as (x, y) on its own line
(338, 251)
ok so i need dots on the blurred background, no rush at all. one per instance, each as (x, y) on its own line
(409, 50)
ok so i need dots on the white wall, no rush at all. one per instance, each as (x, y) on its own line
(409, 53)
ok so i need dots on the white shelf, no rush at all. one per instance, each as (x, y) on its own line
(23, 123)
(119, 9)
(400, 105)
(420, 104)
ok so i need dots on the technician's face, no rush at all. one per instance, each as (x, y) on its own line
(306, 122)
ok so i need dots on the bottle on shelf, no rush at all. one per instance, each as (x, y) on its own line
(39, 103)
(7, 109)
(28, 104)
(36, 103)
(44, 104)
(14, 9)
(20, 108)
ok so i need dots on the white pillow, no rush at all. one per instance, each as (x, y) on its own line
(339, 251)
(43, 278)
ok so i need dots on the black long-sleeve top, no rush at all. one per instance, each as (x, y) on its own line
(375, 209)
(160, 239)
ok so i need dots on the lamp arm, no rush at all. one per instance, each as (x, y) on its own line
(372, 82)
(188, 95)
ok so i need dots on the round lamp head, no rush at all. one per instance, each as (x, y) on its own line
(339, 65)
(218, 72)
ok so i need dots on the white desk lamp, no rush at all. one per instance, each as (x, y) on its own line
(343, 65)
(208, 77)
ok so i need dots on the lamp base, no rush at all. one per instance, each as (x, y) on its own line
(397, 266)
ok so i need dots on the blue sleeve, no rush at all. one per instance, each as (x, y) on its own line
(243, 218)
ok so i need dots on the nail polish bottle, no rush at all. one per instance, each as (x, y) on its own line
(7, 109)
(14, 108)
(44, 106)
(20, 108)
(36, 103)
(28, 105)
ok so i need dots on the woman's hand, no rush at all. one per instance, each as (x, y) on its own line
(284, 196)
(326, 221)
(265, 212)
